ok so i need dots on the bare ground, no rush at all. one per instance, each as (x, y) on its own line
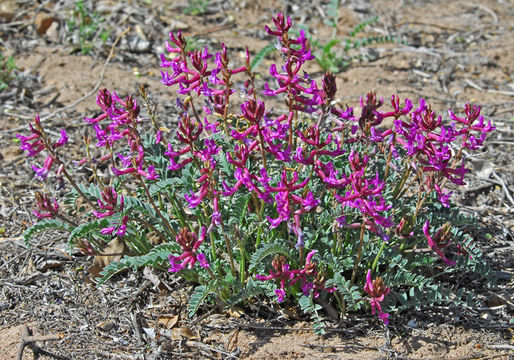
(457, 51)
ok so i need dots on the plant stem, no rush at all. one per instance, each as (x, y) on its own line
(380, 251)
(75, 186)
(65, 219)
(359, 252)
(164, 220)
(242, 260)
(213, 247)
(229, 252)
(402, 182)
(389, 158)
(179, 212)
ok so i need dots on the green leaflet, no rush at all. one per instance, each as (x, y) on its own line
(359, 27)
(156, 258)
(132, 203)
(165, 184)
(265, 51)
(307, 305)
(351, 293)
(87, 229)
(252, 289)
(266, 250)
(49, 224)
(239, 207)
(198, 297)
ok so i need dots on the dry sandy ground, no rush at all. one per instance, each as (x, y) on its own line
(458, 51)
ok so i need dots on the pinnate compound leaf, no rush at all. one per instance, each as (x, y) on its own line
(87, 229)
(133, 203)
(49, 224)
(239, 208)
(251, 290)
(164, 185)
(359, 27)
(266, 250)
(350, 293)
(307, 305)
(112, 269)
(198, 297)
(92, 191)
(265, 51)
(155, 258)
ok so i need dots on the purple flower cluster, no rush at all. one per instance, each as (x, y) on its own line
(111, 203)
(37, 142)
(108, 203)
(189, 242)
(188, 133)
(119, 229)
(310, 278)
(427, 140)
(49, 208)
(439, 241)
(377, 292)
(366, 196)
(123, 116)
(190, 70)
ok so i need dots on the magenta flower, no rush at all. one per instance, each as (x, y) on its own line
(189, 243)
(398, 111)
(109, 202)
(329, 175)
(136, 159)
(282, 25)
(119, 230)
(377, 292)
(282, 201)
(311, 136)
(469, 140)
(62, 141)
(104, 101)
(366, 195)
(42, 172)
(284, 191)
(440, 241)
(310, 278)
(36, 146)
(317, 280)
(35, 143)
(43, 203)
(281, 273)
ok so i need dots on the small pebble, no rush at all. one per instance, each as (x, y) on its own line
(413, 324)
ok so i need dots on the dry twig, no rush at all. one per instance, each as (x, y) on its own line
(97, 85)
(28, 340)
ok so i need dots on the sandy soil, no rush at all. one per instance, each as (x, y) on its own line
(457, 51)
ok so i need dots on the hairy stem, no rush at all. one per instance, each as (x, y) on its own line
(164, 220)
(359, 252)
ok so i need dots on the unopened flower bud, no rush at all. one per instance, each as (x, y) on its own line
(59, 170)
(329, 86)
(49, 207)
(277, 262)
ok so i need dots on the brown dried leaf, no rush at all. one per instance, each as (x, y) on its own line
(43, 22)
(114, 251)
(106, 325)
(167, 321)
(181, 333)
(49, 264)
(235, 312)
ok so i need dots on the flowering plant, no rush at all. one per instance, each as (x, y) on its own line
(330, 195)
